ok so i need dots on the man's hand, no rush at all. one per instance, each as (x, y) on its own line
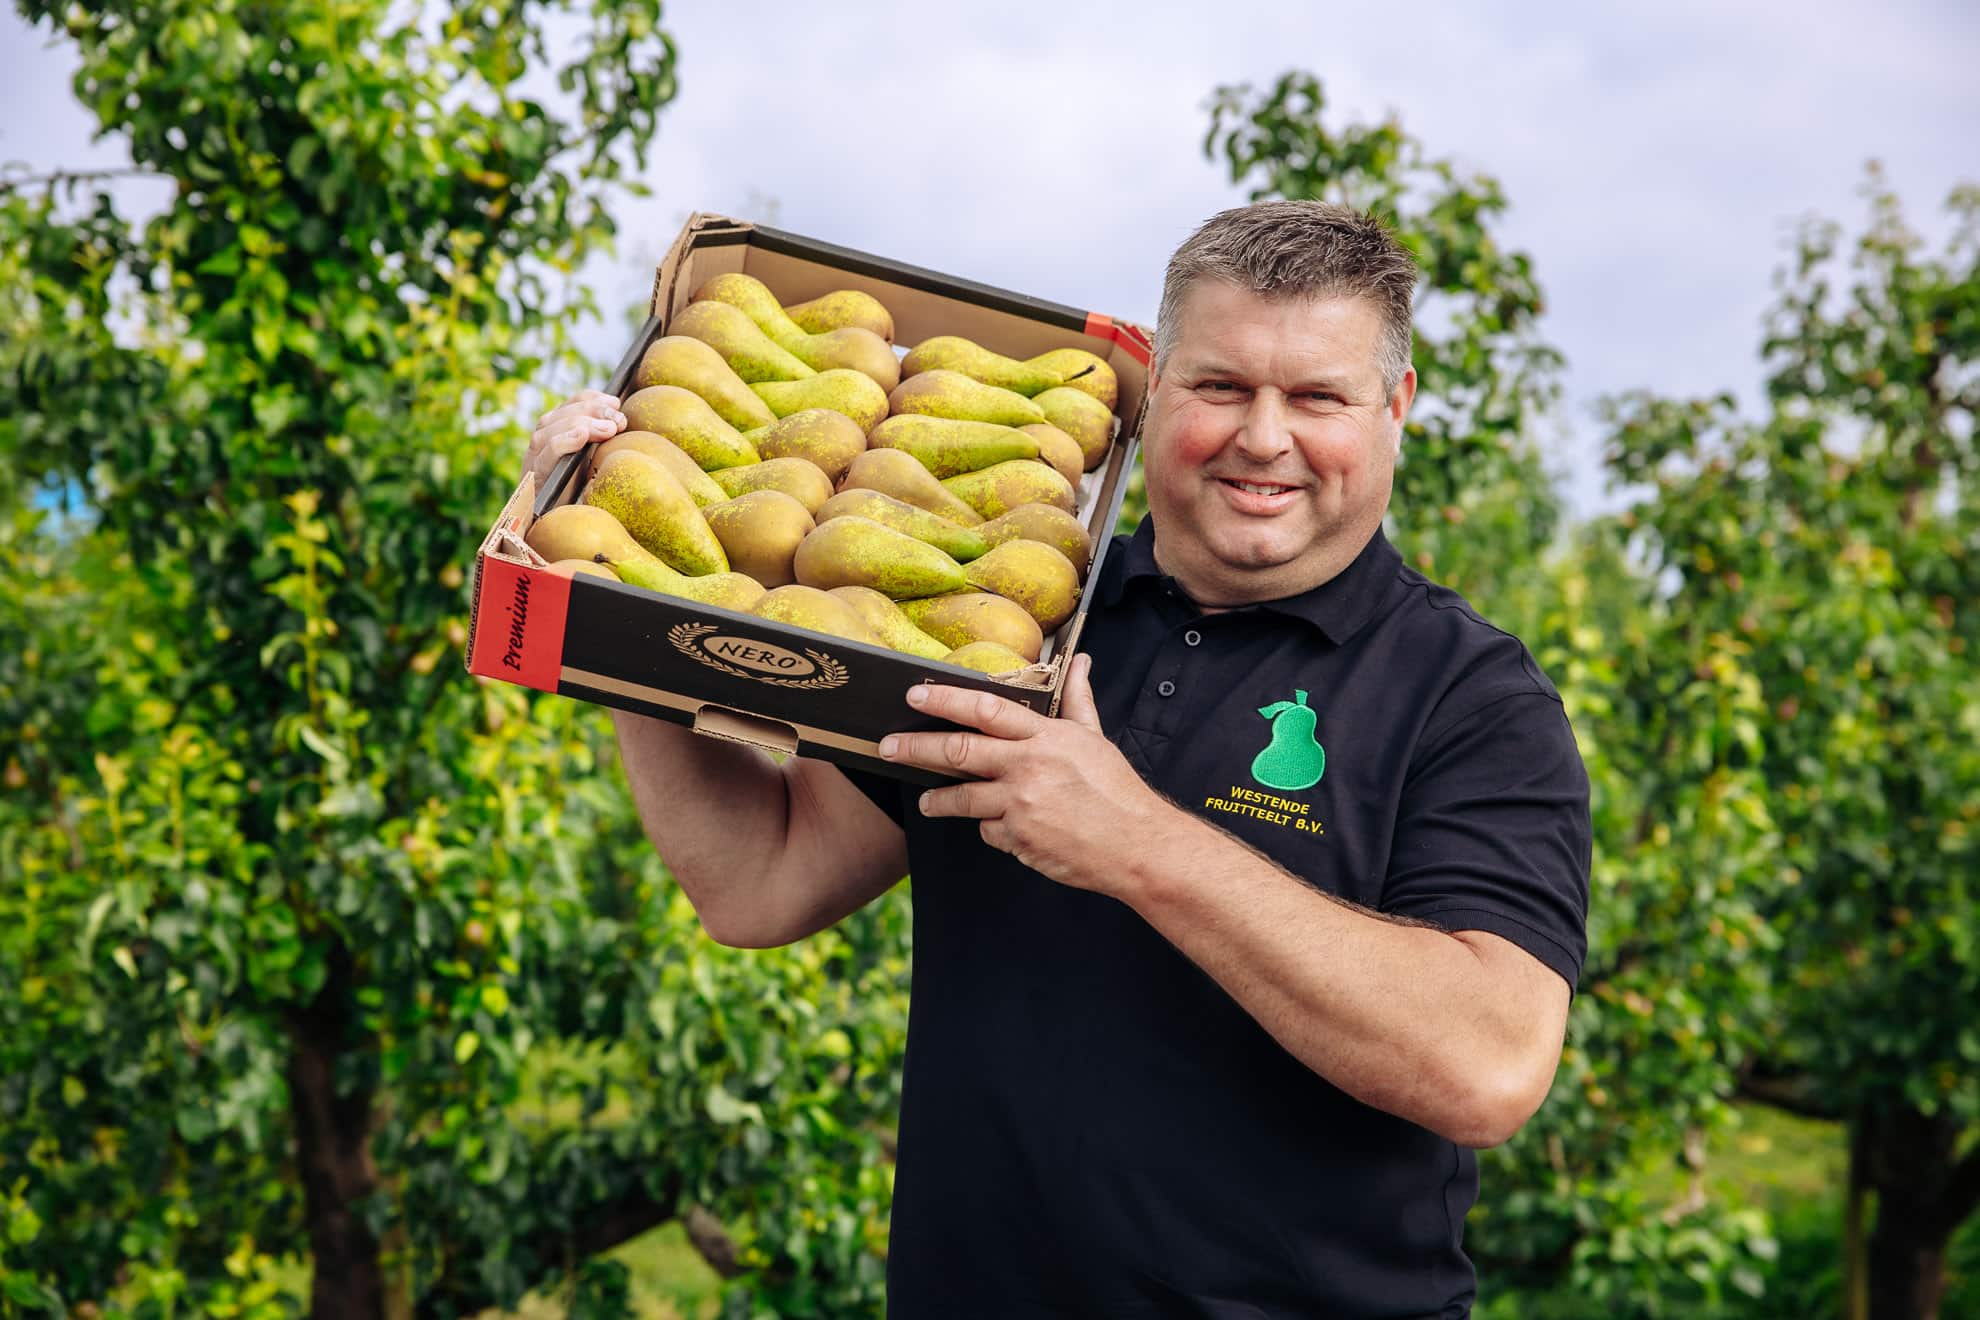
(1054, 793)
(586, 416)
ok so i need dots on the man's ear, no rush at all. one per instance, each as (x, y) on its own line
(1399, 402)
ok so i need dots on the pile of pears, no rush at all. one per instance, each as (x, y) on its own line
(788, 462)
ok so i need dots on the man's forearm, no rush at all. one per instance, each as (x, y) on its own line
(1406, 1018)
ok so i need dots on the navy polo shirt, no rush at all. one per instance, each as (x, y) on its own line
(1090, 1125)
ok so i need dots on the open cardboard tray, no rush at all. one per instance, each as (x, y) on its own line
(735, 676)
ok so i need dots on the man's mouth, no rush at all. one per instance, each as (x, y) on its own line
(1258, 487)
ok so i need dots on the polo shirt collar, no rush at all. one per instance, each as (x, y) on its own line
(1338, 607)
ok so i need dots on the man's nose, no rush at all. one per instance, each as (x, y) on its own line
(1266, 432)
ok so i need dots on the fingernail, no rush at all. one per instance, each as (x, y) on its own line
(924, 801)
(621, 417)
(889, 745)
(917, 694)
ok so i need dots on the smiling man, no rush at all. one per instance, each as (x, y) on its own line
(1220, 977)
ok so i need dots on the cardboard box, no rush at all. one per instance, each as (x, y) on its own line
(735, 676)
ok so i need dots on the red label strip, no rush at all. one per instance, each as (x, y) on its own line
(519, 624)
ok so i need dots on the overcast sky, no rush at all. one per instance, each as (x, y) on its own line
(1656, 155)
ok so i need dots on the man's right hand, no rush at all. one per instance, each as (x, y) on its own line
(586, 416)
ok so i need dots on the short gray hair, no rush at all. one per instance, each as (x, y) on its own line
(1298, 250)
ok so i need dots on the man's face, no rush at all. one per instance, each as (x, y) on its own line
(1269, 443)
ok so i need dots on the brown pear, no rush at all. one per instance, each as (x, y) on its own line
(760, 531)
(842, 308)
(820, 611)
(579, 531)
(954, 353)
(749, 352)
(892, 472)
(944, 393)
(853, 393)
(889, 624)
(858, 552)
(1043, 522)
(947, 447)
(1032, 574)
(960, 543)
(1081, 416)
(684, 417)
(730, 591)
(798, 478)
(977, 616)
(1058, 449)
(687, 362)
(997, 490)
(656, 510)
(1084, 372)
(986, 658)
(830, 439)
(699, 487)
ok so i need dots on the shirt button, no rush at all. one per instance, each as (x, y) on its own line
(1192, 637)
(1166, 688)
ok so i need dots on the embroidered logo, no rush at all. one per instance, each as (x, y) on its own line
(1293, 759)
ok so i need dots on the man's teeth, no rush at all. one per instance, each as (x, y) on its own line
(1256, 489)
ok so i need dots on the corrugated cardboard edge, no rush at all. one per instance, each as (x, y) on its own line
(505, 538)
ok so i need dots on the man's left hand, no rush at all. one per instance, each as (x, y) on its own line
(1053, 793)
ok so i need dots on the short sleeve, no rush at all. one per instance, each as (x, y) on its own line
(883, 792)
(1493, 832)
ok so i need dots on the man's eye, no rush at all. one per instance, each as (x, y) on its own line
(1218, 386)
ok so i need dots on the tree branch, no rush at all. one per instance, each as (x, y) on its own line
(25, 181)
(705, 1231)
(1796, 1094)
(1961, 1193)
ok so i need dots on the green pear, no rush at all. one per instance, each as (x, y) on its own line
(1294, 759)
(986, 658)
(830, 439)
(687, 362)
(588, 567)
(954, 353)
(699, 487)
(684, 417)
(1081, 416)
(889, 624)
(858, 552)
(1057, 449)
(798, 478)
(855, 350)
(729, 591)
(947, 447)
(760, 531)
(956, 541)
(892, 472)
(952, 394)
(842, 309)
(820, 611)
(997, 490)
(853, 393)
(1033, 575)
(752, 297)
(578, 531)
(977, 616)
(749, 352)
(1084, 372)
(640, 492)
(1042, 522)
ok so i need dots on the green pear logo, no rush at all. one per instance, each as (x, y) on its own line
(1293, 760)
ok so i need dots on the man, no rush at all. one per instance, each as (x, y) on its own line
(1220, 976)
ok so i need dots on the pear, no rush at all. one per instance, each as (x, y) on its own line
(578, 531)
(889, 624)
(1043, 522)
(749, 352)
(1033, 575)
(685, 418)
(1083, 371)
(841, 309)
(590, 567)
(858, 552)
(952, 394)
(1081, 416)
(687, 362)
(729, 591)
(976, 616)
(853, 393)
(700, 489)
(820, 611)
(986, 658)
(798, 478)
(997, 490)
(640, 492)
(856, 350)
(829, 439)
(947, 447)
(760, 532)
(952, 539)
(954, 353)
(752, 297)
(1058, 449)
(892, 472)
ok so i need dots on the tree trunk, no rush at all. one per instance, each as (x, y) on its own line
(1856, 1258)
(1921, 1198)
(333, 1149)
